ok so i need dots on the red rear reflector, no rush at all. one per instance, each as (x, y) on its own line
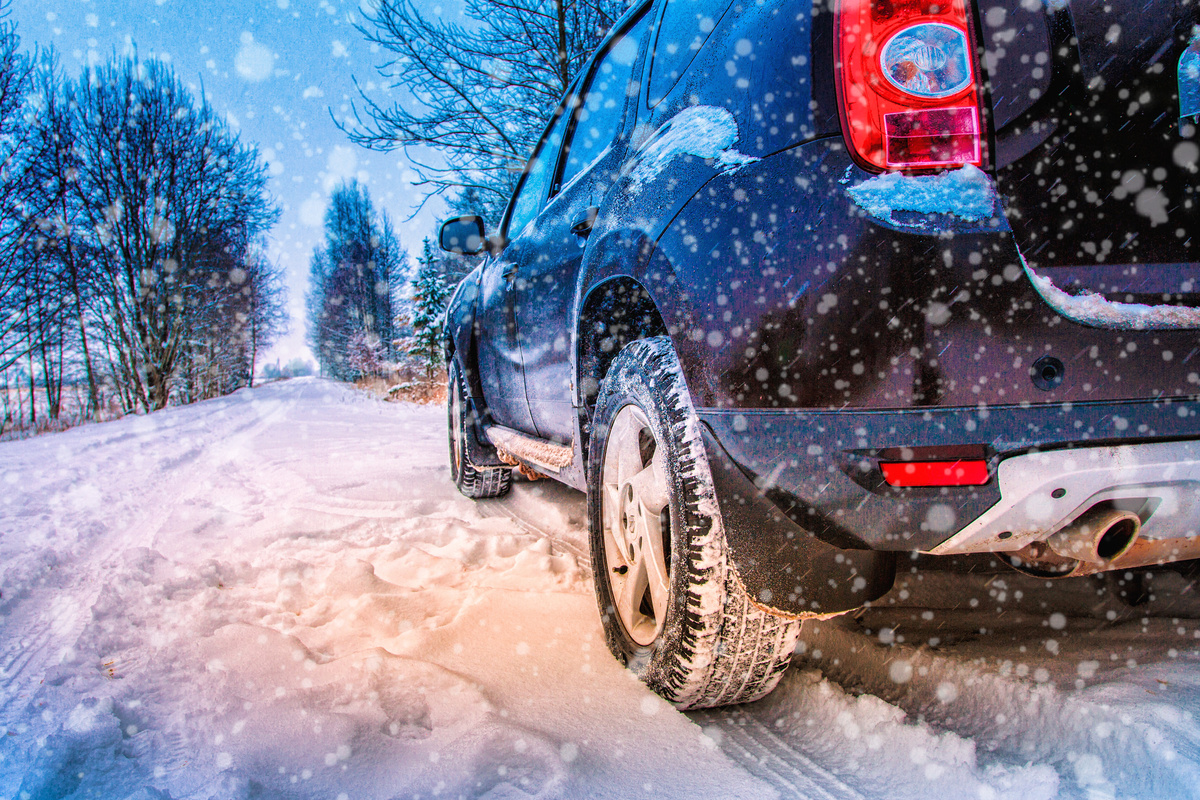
(935, 473)
(935, 137)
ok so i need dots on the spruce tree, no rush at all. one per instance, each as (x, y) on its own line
(429, 298)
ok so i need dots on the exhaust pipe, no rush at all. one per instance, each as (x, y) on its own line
(1099, 536)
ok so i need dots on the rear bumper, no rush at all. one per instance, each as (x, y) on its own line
(820, 469)
(813, 527)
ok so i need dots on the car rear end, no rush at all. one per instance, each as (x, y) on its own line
(986, 337)
(1093, 109)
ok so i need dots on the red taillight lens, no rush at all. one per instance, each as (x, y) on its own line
(908, 84)
(935, 473)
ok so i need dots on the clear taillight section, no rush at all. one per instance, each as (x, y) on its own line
(907, 84)
(931, 60)
(936, 136)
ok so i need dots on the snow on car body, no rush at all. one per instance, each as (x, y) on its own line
(918, 300)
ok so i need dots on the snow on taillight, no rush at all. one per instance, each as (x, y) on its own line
(908, 89)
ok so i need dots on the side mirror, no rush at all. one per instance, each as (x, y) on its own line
(463, 235)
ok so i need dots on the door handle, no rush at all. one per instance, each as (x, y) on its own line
(509, 270)
(583, 225)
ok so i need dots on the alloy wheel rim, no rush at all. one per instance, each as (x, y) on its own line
(635, 516)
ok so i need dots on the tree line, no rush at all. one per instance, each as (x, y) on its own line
(132, 222)
(366, 314)
(132, 218)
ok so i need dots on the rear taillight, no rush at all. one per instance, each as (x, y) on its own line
(908, 85)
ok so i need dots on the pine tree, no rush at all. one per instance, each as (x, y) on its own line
(430, 295)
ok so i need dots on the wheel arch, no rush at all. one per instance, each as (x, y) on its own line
(632, 290)
(615, 312)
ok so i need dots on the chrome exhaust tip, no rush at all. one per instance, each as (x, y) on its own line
(1098, 536)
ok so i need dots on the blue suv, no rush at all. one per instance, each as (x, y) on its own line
(791, 289)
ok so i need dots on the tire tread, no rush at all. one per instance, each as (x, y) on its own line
(475, 482)
(479, 484)
(725, 649)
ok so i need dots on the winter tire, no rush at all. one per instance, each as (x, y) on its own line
(475, 482)
(673, 608)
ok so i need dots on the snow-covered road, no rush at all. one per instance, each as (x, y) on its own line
(280, 595)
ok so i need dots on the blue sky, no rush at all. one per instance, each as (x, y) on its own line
(276, 69)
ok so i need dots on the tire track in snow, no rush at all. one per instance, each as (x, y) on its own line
(26, 645)
(1102, 739)
(504, 508)
(767, 756)
(740, 735)
(34, 644)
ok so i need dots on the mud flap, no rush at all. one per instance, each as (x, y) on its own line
(783, 566)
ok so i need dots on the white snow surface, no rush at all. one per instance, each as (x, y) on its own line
(280, 595)
(700, 131)
(967, 193)
(1090, 308)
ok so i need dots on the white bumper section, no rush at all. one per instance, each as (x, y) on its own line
(1043, 492)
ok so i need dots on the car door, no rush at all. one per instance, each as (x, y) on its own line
(549, 251)
(501, 365)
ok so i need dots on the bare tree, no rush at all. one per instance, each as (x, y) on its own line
(235, 312)
(172, 201)
(17, 195)
(320, 312)
(46, 321)
(477, 95)
(60, 244)
(265, 306)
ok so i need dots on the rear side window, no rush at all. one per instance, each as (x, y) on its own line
(684, 28)
(598, 120)
(536, 186)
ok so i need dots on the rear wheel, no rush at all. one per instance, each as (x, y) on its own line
(673, 608)
(475, 482)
